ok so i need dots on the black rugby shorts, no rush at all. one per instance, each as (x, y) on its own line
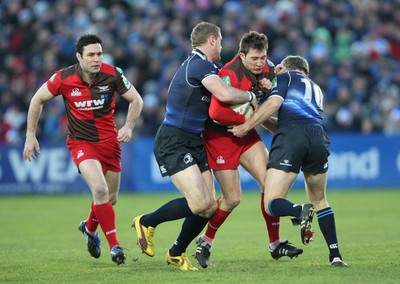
(176, 150)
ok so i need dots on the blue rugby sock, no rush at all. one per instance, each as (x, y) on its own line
(283, 207)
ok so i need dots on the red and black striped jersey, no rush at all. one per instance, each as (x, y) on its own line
(89, 106)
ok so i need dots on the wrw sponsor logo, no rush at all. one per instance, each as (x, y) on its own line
(91, 104)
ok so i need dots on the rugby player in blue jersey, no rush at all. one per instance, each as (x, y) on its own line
(299, 143)
(179, 148)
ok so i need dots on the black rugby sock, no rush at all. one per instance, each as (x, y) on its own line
(191, 228)
(326, 221)
(173, 210)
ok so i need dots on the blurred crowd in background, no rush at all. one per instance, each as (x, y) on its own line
(353, 47)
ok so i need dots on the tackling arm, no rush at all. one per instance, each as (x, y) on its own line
(266, 110)
(228, 94)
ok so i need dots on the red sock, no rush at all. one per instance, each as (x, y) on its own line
(273, 223)
(91, 222)
(215, 222)
(106, 217)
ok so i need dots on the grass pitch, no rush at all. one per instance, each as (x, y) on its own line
(40, 243)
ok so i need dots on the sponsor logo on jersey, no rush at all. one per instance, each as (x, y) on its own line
(188, 158)
(53, 77)
(75, 92)
(227, 80)
(126, 82)
(285, 163)
(92, 104)
(103, 88)
(220, 160)
(80, 154)
(119, 70)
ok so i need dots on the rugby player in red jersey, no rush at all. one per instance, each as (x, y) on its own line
(88, 89)
(250, 70)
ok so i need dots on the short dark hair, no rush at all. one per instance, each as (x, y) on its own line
(254, 40)
(296, 62)
(86, 40)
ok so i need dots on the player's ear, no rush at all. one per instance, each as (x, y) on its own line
(78, 56)
(212, 40)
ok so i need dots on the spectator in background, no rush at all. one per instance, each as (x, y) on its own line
(360, 36)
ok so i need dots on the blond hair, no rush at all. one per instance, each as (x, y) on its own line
(202, 31)
(296, 62)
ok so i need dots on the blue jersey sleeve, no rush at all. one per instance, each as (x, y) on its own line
(199, 70)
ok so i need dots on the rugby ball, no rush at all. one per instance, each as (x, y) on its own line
(244, 108)
(241, 108)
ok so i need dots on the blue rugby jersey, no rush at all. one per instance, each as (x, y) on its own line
(188, 100)
(302, 99)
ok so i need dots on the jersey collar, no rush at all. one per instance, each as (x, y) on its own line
(199, 53)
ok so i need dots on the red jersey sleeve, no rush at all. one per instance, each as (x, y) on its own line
(220, 111)
(54, 83)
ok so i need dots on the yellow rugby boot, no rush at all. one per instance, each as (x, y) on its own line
(181, 261)
(144, 236)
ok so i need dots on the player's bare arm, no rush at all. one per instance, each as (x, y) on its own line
(228, 94)
(134, 110)
(266, 110)
(271, 124)
(35, 109)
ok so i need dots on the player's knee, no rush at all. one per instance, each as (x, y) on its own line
(232, 203)
(113, 195)
(100, 193)
(113, 199)
(266, 206)
(320, 204)
(209, 212)
(205, 208)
